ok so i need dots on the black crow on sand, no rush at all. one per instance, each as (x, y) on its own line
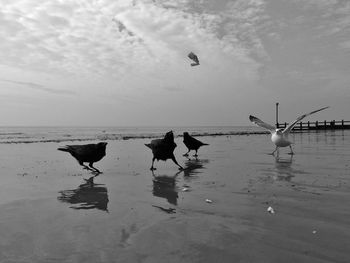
(163, 149)
(192, 143)
(88, 153)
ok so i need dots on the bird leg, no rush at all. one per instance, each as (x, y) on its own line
(174, 160)
(152, 168)
(274, 151)
(94, 168)
(85, 167)
(291, 150)
(196, 154)
(186, 154)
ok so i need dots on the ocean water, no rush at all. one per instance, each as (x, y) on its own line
(75, 134)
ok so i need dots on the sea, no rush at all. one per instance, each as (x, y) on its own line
(75, 134)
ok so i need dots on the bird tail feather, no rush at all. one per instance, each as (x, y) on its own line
(63, 149)
(148, 145)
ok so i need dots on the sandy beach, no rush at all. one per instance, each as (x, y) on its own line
(213, 211)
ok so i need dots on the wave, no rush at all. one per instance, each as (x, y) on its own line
(113, 137)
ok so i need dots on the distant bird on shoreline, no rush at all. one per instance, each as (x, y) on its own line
(89, 153)
(163, 149)
(192, 143)
(280, 136)
(193, 57)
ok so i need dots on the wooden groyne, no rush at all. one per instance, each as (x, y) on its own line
(318, 125)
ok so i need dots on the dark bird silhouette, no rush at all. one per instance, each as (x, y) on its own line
(87, 196)
(163, 149)
(165, 187)
(193, 57)
(192, 143)
(89, 153)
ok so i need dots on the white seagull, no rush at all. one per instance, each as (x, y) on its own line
(280, 136)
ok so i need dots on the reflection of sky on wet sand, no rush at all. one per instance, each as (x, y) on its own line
(320, 157)
(239, 179)
(87, 196)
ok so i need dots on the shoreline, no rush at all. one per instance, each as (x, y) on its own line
(117, 137)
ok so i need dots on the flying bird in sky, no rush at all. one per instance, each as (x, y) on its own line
(90, 153)
(163, 149)
(192, 143)
(280, 136)
(193, 57)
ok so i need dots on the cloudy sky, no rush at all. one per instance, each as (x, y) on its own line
(124, 62)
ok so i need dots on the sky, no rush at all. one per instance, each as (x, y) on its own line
(124, 62)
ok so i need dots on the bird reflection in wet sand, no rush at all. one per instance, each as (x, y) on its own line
(87, 196)
(164, 186)
(193, 166)
(284, 170)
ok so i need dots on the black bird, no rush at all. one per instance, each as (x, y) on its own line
(192, 143)
(89, 153)
(163, 149)
(193, 57)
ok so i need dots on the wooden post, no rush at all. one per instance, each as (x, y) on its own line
(277, 114)
(325, 124)
(301, 125)
(342, 124)
(316, 124)
(308, 125)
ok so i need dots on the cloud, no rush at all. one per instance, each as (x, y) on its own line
(328, 17)
(116, 37)
(39, 87)
(173, 88)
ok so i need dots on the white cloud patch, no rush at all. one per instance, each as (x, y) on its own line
(114, 37)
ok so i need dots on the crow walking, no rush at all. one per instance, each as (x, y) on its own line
(89, 153)
(192, 143)
(163, 149)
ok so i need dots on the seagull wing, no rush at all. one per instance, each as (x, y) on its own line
(292, 124)
(260, 123)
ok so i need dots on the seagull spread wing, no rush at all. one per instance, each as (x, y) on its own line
(260, 123)
(292, 124)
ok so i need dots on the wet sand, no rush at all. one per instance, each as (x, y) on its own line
(50, 214)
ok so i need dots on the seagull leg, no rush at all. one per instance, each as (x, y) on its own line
(273, 153)
(152, 168)
(291, 150)
(196, 153)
